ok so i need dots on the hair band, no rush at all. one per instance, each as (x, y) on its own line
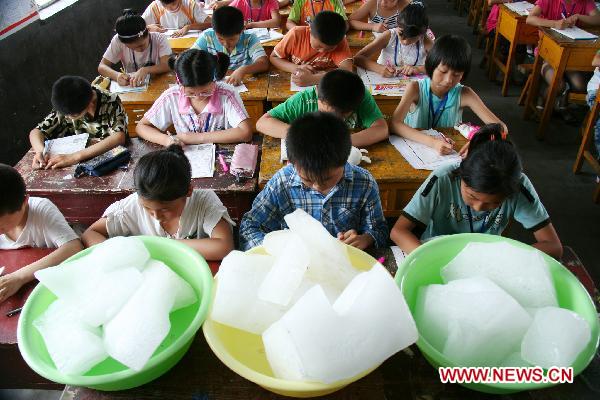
(139, 34)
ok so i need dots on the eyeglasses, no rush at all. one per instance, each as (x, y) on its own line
(202, 94)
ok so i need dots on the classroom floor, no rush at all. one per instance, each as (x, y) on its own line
(548, 163)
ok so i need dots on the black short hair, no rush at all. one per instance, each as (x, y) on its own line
(492, 165)
(196, 67)
(163, 175)
(342, 90)
(228, 21)
(13, 190)
(317, 142)
(452, 51)
(130, 26)
(71, 95)
(413, 20)
(329, 27)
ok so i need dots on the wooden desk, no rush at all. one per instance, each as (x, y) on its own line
(200, 375)
(358, 39)
(84, 199)
(513, 28)
(15, 372)
(563, 54)
(136, 104)
(179, 45)
(397, 180)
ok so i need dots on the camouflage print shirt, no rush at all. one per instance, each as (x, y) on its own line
(110, 117)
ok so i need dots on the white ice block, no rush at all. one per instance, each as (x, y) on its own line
(121, 252)
(316, 341)
(135, 333)
(523, 273)
(97, 294)
(285, 277)
(236, 301)
(329, 261)
(184, 293)
(514, 360)
(472, 321)
(74, 346)
(555, 338)
(275, 241)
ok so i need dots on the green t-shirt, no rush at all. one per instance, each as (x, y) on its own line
(306, 102)
(438, 205)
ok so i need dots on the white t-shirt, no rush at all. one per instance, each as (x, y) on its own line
(202, 212)
(134, 60)
(594, 82)
(177, 19)
(224, 110)
(399, 55)
(46, 227)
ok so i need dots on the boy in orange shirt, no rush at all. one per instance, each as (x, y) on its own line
(310, 51)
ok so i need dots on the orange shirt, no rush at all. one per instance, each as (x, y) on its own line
(295, 47)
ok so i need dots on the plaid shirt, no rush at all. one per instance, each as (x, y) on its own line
(351, 204)
(110, 117)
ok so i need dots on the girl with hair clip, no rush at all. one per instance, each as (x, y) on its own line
(480, 195)
(201, 109)
(438, 100)
(165, 204)
(140, 52)
(402, 49)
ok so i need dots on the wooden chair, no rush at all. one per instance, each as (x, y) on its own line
(585, 151)
(474, 14)
(482, 33)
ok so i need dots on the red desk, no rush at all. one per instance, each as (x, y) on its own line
(83, 200)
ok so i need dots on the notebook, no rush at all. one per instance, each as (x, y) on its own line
(192, 33)
(520, 7)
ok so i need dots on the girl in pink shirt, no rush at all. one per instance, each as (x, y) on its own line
(259, 13)
(561, 14)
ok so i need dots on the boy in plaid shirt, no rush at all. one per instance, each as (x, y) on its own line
(319, 180)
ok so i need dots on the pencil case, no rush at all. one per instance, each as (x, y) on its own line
(243, 162)
(104, 163)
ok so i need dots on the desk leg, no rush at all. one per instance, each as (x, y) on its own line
(492, 61)
(588, 133)
(552, 92)
(534, 86)
(509, 63)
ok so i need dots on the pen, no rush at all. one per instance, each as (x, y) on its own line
(44, 152)
(361, 34)
(446, 139)
(14, 312)
(223, 163)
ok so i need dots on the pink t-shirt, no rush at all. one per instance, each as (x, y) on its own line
(492, 20)
(256, 14)
(133, 60)
(555, 9)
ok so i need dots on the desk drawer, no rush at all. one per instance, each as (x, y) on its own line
(135, 112)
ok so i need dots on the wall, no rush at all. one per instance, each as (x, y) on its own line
(71, 42)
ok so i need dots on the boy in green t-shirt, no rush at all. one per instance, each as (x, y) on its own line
(340, 92)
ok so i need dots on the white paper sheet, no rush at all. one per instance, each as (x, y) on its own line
(296, 88)
(66, 145)
(240, 89)
(399, 256)
(283, 156)
(420, 156)
(520, 7)
(202, 159)
(192, 33)
(265, 35)
(576, 33)
(116, 88)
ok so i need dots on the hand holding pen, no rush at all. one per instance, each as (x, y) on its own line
(41, 159)
(123, 79)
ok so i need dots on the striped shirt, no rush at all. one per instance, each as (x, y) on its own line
(247, 50)
(224, 110)
(351, 204)
(109, 118)
(390, 22)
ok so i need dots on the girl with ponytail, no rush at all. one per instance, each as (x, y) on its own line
(166, 205)
(140, 52)
(201, 109)
(480, 195)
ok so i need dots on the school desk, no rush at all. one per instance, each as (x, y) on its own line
(84, 199)
(201, 375)
(397, 180)
(516, 31)
(563, 54)
(279, 91)
(15, 373)
(136, 104)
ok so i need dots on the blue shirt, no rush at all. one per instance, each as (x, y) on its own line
(247, 50)
(353, 203)
(438, 205)
(424, 116)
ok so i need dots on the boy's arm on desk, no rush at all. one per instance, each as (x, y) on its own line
(271, 126)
